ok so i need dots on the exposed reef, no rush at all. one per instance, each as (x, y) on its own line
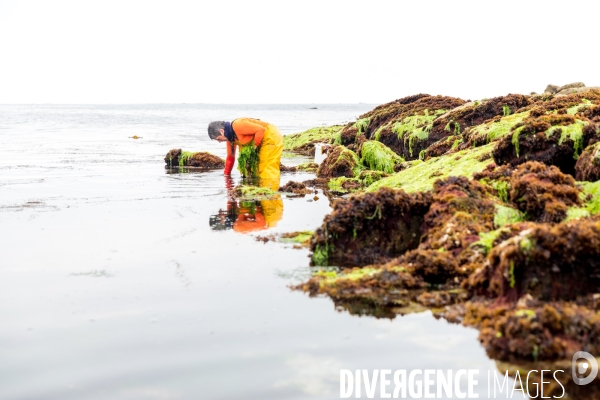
(485, 212)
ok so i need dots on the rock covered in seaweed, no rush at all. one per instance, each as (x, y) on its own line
(588, 164)
(304, 142)
(339, 162)
(370, 228)
(555, 133)
(498, 217)
(376, 156)
(535, 331)
(202, 160)
(543, 193)
(404, 125)
(298, 188)
(546, 261)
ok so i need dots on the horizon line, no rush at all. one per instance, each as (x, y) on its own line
(224, 104)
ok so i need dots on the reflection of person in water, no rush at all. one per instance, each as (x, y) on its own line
(247, 216)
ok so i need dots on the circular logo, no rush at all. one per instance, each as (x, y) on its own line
(581, 364)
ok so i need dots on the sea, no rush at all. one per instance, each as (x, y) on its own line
(114, 285)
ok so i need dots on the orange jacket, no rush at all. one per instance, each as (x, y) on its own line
(246, 129)
(247, 222)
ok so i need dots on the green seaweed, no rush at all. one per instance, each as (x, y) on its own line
(449, 126)
(364, 179)
(506, 110)
(335, 184)
(495, 130)
(300, 237)
(377, 134)
(415, 127)
(593, 190)
(507, 215)
(573, 132)
(352, 158)
(530, 314)
(511, 274)
(248, 192)
(369, 177)
(420, 175)
(576, 213)
(248, 160)
(308, 167)
(487, 239)
(515, 139)
(362, 124)
(503, 188)
(575, 109)
(377, 156)
(323, 134)
(331, 278)
(591, 197)
(184, 157)
(526, 244)
(320, 256)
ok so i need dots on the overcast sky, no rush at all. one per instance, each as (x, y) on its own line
(290, 51)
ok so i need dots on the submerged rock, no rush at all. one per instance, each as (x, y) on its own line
(203, 160)
(297, 188)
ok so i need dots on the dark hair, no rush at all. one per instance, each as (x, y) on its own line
(214, 128)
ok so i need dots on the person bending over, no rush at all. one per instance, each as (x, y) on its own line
(251, 132)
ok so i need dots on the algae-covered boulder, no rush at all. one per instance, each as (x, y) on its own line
(543, 193)
(559, 262)
(588, 164)
(370, 228)
(555, 132)
(540, 192)
(554, 139)
(202, 160)
(297, 188)
(421, 175)
(339, 162)
(304, 142)
(407, 125)
(450, 128)
(376, 156)
(534, 331)
(364, 179)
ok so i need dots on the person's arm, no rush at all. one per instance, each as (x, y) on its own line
(230, 158)
(246, 127)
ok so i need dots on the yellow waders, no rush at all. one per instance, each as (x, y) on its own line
(269, 159)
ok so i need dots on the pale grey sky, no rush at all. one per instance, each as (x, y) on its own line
(290, 51)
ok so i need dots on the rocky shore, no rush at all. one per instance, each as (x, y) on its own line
(484, 212)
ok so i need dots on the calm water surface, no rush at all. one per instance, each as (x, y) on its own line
(113, 285)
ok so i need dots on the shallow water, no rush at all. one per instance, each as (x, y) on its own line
(113, 285)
